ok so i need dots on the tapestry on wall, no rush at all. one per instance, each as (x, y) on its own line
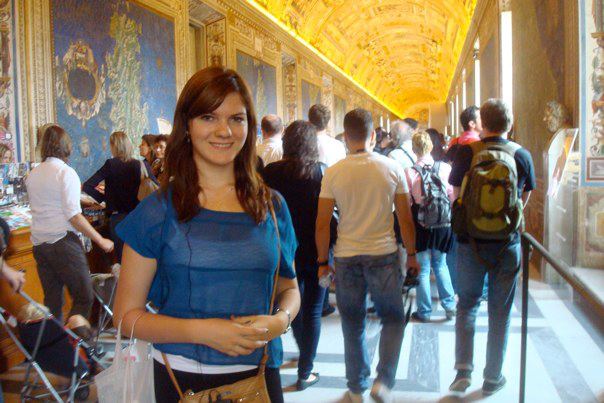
(339, 111)
(10, 147)
(592, 92)
(262, 80)
(114, 70)
(311, 95)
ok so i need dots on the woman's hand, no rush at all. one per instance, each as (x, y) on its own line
(276, 324)
(15, 278)
(233, 337)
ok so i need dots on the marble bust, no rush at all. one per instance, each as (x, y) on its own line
(556, 117)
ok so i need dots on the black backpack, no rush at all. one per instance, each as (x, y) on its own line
(435, 210)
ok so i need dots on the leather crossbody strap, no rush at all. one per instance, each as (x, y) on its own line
(264, 359)
(144, 173)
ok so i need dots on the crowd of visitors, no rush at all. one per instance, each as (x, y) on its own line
(235, 246)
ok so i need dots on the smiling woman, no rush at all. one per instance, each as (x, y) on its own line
(207, 252)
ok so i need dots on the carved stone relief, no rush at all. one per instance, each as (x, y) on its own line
(216, 39)
(39, 73)
(290, 88)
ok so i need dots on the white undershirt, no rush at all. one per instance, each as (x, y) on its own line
(180, 363)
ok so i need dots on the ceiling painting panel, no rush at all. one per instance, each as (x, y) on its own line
(392, 48)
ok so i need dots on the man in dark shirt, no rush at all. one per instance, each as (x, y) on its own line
(501, 259)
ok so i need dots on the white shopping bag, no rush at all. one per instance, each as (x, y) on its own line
(129, 379)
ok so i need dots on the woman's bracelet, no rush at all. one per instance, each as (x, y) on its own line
(289, 319)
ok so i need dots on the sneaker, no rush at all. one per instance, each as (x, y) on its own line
(489, 387)
(450, 313)
(462, 381)
(328, 311)
(354, 397)
(419, 318)
(302, 384)
(381, 393)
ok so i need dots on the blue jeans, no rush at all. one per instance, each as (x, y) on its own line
(307, 325)
(381, 276)
(436, 260)
(452, 262)
(504, 264)
(452, 265)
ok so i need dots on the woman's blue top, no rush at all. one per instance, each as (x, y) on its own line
(216, 265)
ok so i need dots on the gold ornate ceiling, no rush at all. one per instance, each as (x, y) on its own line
(404, 52)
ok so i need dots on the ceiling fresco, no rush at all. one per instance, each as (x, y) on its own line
(403, 52)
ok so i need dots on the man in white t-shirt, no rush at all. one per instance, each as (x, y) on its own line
(271, 149)
(401, 132)
(365, 186)
(330, 149)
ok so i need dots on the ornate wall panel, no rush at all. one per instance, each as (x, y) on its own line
(327, 100)
(40, 93)
(9, 124)
(290, 88)
(39, 58)
(114, 70)
(592, 97)
(245, 37)
(216, 43)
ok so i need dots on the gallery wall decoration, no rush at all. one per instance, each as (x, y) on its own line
(114, 70)
(339, 111)
(311, 95)
(9, 130)
(262, 79)
(592, 92)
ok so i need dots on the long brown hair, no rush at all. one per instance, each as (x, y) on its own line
(204, 92)
(55, 143)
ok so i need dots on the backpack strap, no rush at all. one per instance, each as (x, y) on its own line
(420, 171)
(408, 155)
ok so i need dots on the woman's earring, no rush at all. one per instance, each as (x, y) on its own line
(187, 136)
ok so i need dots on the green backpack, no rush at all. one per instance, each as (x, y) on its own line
(488, 206)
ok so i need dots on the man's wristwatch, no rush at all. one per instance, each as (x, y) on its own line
(322, 263)
(289, 319)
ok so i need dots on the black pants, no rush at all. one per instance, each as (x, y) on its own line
(165, 392)
(307, 325)
(60, 264)
(118, 244)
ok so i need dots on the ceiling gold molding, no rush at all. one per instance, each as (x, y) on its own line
(402, 52)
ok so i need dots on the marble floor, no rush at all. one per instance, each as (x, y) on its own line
(565, 358)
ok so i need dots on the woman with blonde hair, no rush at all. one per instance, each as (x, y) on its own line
(206, 249)
(429, 183)
(54, 195)
(122, 176)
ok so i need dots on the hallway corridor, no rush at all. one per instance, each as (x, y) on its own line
(564, 359)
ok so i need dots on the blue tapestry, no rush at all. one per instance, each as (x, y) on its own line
(311, 95)
(262, 80)
(114, 70)
(339, 111)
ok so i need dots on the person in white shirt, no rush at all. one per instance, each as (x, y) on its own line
(365, 186)
(401, 132)
(53, 188)
(330, 149)
(271, 148)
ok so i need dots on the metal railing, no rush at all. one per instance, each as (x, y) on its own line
(529, 243)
